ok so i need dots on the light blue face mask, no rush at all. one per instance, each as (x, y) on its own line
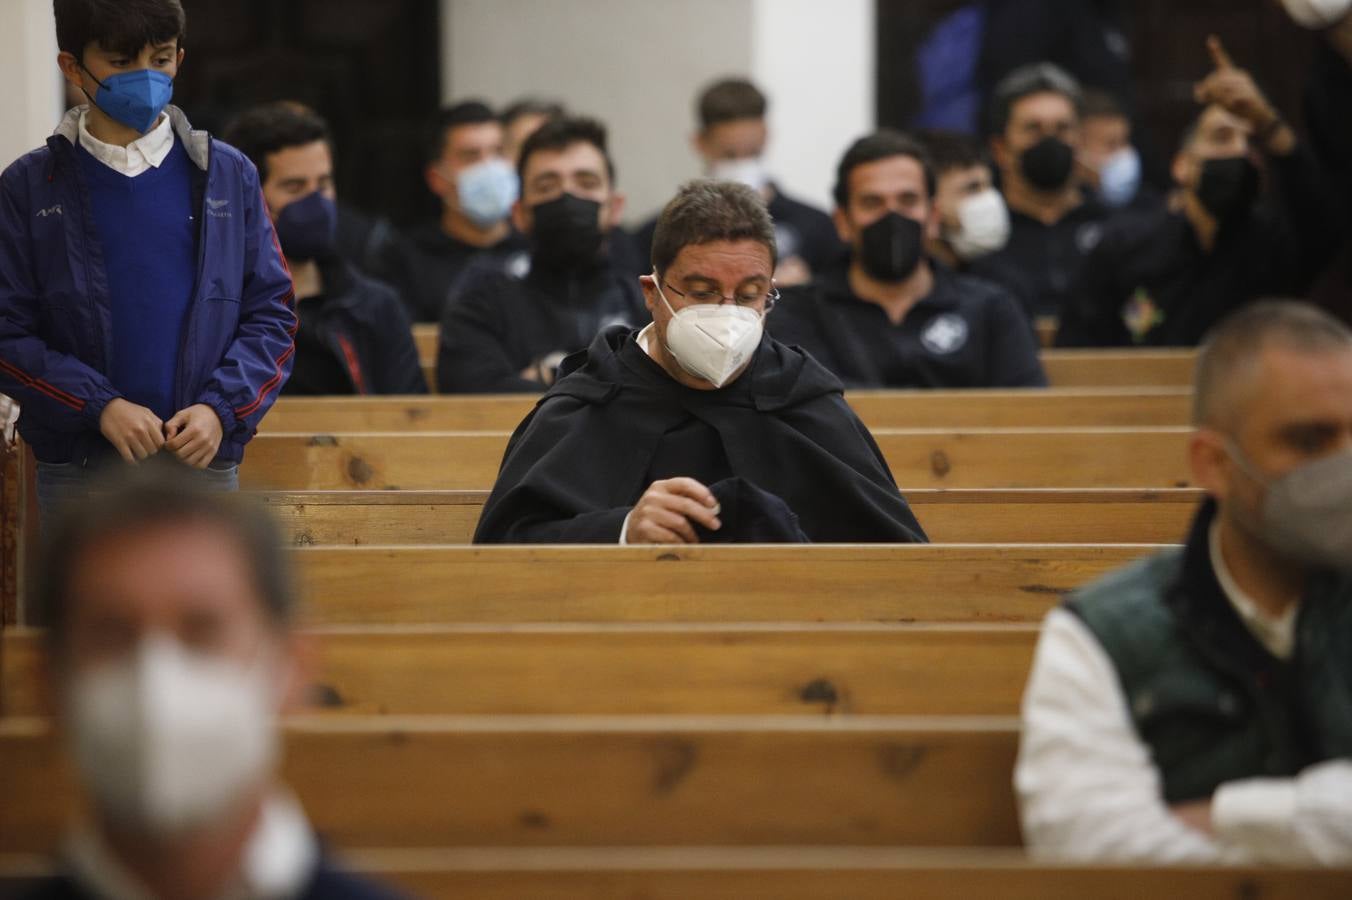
(487, 191)
(1120, 177)
(134, 99)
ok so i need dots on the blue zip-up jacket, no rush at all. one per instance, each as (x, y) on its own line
(55, 320)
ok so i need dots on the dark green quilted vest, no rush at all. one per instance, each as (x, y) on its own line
(1212, 704)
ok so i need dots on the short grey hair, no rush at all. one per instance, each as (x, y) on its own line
(704, 211)
(1239, 340)
(1025, 81)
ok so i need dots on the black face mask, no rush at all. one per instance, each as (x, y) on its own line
(891, 248)
(566, 233)
(1047, 164)
(1229, 186)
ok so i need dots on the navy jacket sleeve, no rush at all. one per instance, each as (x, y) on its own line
(54, 388)
(399, 370)
(258, 361)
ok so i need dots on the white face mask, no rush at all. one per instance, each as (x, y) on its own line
(167, 738)
(711, 341)
(1318, 14)
(983, 225)
(750, 172)
(1120, 177)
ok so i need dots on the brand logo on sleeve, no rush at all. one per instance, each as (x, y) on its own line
(50, 211)
(217, 208)
(945, 334)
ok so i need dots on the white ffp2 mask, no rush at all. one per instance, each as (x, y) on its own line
(167, 738)
(1318, 14)
(750, 171)
(983, 225)
(711, 341)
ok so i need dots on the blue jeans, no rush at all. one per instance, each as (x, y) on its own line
(62, 484)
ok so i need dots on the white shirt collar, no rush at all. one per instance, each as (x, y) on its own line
(1277, 634)
(643, 338)
(279, 858)
(146, 152)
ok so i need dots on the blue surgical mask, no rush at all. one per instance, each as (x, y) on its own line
(487, 191)
(308, 228)
(134, 99)
(1120, 177)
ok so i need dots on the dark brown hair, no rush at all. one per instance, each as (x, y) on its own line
(120, 26)
(704, 211)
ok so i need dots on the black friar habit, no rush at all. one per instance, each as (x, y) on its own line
(618, 422)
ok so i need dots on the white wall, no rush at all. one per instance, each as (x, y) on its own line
(815, 61)
(30, 104)
(637, 64)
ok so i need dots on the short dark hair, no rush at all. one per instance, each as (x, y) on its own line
(1239, 339)
(467, 112)
(531, 106)
(155, 495)
(560, 134)
(1036, 78)
(951, 150)
(729, 100)
(704, 211)
(270, 127)
(1097, 103)
(882, 144)
(120, 26)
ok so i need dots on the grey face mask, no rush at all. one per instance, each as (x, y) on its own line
(1306, 514)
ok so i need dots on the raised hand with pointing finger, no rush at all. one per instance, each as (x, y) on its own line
(1234, 90)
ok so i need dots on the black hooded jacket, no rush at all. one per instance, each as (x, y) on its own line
(617, 422)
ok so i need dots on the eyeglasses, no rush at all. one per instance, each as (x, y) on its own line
(713, 298)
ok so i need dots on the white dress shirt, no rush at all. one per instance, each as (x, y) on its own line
(149, 151)
(1089, 790)
(279, 859)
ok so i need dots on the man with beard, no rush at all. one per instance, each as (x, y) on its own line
(1196, 706)
(698, 427)
(896, 320)
(509, 333)
(1165, 278)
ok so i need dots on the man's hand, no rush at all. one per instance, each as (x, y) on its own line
(1234, 90)
(1196, 814)
(663, 515)
(134, 431)
(194, 435)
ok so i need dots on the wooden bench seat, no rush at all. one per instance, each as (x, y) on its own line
(919, 458)
(830, 583)
(602, 781)
(1039, 515)
(641, 669)
(788, 873)
(1065, 408)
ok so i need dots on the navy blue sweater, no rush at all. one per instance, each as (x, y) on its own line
(147, 234)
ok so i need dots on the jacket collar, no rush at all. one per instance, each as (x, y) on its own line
(196, 143)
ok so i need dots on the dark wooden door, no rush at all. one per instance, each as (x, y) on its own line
(371, 67)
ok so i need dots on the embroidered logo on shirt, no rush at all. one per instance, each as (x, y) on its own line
(945, 334)
(1088, 237)
(215, 208)
(50, 211)
(1141, 315)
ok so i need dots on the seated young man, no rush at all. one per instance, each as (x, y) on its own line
(896, 320)
(508, 333)
(1196, 706)
(697, 427)
(354, 335)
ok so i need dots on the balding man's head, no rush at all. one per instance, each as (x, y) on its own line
(1229, 363)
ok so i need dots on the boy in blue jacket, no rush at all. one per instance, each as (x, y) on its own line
(145, 306)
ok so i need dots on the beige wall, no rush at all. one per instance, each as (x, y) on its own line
(30, 104)
(637, 64)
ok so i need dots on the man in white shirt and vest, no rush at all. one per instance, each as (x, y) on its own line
(1196, 706)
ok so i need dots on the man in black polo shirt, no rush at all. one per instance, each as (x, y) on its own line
(895, 320)
(1035, 117)
(508, 333)
(1166, 277)
(731, 141)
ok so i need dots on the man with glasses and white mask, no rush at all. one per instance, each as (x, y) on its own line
(1196, 706)
(697, 427)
